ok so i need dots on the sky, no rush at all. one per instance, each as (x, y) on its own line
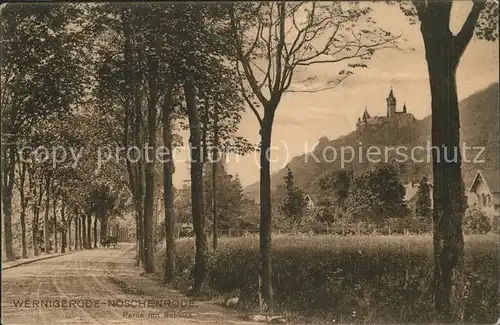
(302, 118)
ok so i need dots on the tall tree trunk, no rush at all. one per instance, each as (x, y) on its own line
(104, 228)
(265, 280)
(46, 225)
(24, 203)
(140, 232)
(69, 233)
(24, 253)
(77, 237)
(139, 182)
(149, 197)
(448, 194)
(215, 157)
(89, 231)
(8, 168)
(138, 138)
(36, 218)
(214, 203)
(148, 218)
(168, 189)
(196, 185)
(77, 233)
(138, 238)
(80, 232)
(84, 231)
(54, 228)
(95, 231)
(7, 224)
(132, 122)
(64, 227)
(204, 147)
(34, 230)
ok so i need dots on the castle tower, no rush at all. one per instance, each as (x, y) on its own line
(366, 116)
(391, 104)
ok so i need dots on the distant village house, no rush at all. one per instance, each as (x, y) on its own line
(484, 193)
(312, 201)
(115, 229)
(411, 190)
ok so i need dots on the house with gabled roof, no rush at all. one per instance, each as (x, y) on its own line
(484, 192)
(116, 228)
(312, 201)
(411, 190)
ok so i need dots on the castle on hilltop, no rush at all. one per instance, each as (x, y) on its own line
(392, 115)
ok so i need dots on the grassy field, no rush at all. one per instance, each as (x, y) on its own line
(347, 279)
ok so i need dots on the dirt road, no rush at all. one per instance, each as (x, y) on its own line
(98, 287)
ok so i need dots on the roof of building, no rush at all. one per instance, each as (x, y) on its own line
(490, 177)
(313, 197)
(391, 94)
(410, 191)
(365, 114)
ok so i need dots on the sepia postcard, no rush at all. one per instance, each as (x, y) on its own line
(250, 162)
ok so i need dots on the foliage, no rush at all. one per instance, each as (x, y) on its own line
(341, 226)
(476, 222)
(376, 195)
(101, 201)
(329, 213)
(235, 209)
(294, 205)
(334, 186)
(182, 204)
(368, 279)
(233, 206)
(41, 77)
(423, 203)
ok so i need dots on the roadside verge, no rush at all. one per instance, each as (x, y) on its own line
(9, 265)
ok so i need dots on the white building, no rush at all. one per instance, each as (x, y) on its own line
(484, 192)
(312, 201)
(411, 190)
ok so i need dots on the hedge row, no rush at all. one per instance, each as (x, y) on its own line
(382, 279)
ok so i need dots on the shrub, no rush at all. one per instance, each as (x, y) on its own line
(363, 279)
(318, 227)
(329, 213)
(476, 222)
(392, 226)
(159, 233)
(409, 225)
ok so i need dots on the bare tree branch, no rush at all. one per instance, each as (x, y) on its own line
(259, 30)
(285, 47)
(249, 74)
(298, 43)
(357, 54)
(279, 50)
(245, 96)
(269, 49)
(336, 83)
